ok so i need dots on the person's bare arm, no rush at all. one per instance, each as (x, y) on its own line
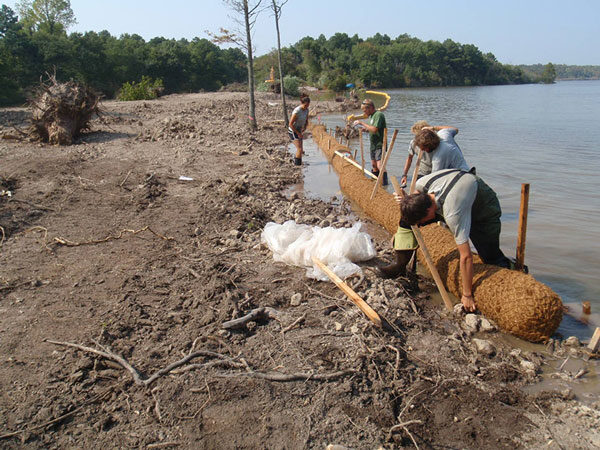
(442, 127)
(370, 128)
(406, 169)
(466, 275)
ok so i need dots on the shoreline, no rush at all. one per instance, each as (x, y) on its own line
(153, 300)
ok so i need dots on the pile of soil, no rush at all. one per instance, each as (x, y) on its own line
(107, 247)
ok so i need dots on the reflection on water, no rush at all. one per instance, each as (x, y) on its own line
(545, 135)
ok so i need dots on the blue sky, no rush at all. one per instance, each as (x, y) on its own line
(515, 31)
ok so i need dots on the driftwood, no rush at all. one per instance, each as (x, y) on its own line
(61, 111)
(258, 313)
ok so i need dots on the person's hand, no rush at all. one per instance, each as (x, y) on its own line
(403, 180)
(357, 123)
(468, 302)
(397, 198)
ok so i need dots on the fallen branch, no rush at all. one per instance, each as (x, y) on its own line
(264, 312)
(68, 243)
(278, 376)
(43, 208)
(296, 322)
(137, 378)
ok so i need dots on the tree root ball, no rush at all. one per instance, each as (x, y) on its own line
(61, 111)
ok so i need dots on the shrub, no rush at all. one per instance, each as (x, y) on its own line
(147, 89)
(291, 85)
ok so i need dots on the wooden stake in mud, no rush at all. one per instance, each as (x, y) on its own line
(413, 182)
(362, 150)
(364, 306)
(385, 160)
(595, 341)
(522, 225)
(430, 264)
(385, 146)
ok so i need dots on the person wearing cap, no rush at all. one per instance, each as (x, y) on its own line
(375, 127)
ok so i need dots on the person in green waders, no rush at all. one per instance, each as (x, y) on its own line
(470, 209)
(375, 128)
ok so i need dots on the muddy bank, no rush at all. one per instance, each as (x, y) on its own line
(107, 248)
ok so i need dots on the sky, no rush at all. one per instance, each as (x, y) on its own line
(515, 31)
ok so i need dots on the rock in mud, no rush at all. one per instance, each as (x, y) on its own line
(484, 347)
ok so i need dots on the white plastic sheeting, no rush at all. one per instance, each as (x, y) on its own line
(338, 248)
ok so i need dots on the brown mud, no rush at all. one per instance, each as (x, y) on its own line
(104, 246)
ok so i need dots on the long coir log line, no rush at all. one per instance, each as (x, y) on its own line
(515, 301)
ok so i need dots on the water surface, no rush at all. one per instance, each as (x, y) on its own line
(545, 135)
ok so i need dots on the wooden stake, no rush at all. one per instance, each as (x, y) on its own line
(354, 163)
(328, 144)
(522, 226)
(385, 160)
(354, 156)
(413, 182)
(353, 296)
(595, 341)
(362, 150)
(384, 146)
(434, 272)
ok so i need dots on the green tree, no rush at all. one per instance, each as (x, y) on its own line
(48, 15)
(549, 74)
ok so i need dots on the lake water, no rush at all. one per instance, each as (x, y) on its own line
(545, 135)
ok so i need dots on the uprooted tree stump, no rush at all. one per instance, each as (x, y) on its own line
(61, 111)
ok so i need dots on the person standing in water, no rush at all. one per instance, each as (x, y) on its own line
(298, 124)
(375, 128)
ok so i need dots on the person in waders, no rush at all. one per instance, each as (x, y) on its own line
(375, 128)
(297, 126)
(470, 209)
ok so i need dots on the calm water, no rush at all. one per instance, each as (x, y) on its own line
(545, 135)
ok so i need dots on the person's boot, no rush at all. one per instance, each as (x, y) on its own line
(385, 179)
(394, 270)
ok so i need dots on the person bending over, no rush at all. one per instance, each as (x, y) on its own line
(440, 150)
(469, 207)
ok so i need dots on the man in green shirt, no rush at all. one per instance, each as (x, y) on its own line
(375, 128)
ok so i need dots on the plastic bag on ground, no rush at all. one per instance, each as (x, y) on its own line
(338, 248)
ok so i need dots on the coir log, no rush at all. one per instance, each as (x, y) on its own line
(518, 303)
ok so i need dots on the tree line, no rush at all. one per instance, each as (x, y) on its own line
(106, 62)
(37, 42)
(382, 62)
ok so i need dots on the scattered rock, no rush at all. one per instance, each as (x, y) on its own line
(572, 341)
(296, 299)
(484, 347)
(528, 366)
(338, 326)
(459, 310)
(354, 329)
(486, 326)
(472, 322)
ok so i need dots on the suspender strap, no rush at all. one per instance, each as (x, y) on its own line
(442, 196)
(435, 177)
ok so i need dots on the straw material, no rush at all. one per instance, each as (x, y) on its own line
(518, 303)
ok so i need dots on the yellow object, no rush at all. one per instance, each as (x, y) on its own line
(272, 75)
(352, 117)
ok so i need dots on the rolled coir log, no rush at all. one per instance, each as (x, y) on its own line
(517, 302)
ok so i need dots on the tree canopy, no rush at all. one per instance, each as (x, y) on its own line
(37, 42)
